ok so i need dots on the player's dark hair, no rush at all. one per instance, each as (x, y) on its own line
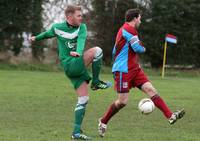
(131, 14)
(70, 9)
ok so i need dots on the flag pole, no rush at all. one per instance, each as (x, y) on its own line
(164, 59)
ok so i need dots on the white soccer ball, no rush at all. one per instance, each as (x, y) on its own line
(146, 106)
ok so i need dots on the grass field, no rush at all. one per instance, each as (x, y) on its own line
(38, 106)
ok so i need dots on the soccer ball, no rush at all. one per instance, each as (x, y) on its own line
(146, 106)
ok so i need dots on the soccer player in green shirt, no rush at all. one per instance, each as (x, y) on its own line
(71, 36)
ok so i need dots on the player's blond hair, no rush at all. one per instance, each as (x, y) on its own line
(70, 9)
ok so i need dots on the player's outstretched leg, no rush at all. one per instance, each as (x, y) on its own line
(176, 115)
(111, 111)
(171, 116)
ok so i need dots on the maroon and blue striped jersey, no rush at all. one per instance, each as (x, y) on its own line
(127, 46)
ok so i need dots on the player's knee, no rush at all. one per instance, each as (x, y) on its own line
(98, 54)
(150, 90)
(83, 100)
(122, 103)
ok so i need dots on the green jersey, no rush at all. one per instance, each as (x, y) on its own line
(69, 38)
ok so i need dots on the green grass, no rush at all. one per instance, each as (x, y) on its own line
(105, 69)
(38, 106)
(31, 67)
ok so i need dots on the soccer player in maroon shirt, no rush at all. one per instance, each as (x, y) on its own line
(128, 73)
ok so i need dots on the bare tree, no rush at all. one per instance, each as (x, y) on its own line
(53, 10)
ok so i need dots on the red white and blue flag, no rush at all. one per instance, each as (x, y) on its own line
(171, 38)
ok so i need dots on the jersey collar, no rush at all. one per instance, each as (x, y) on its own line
(71, 26)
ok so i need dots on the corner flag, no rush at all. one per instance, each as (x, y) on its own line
(170, 38)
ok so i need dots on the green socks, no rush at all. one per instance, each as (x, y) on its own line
(79, 115)
(96, 67)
